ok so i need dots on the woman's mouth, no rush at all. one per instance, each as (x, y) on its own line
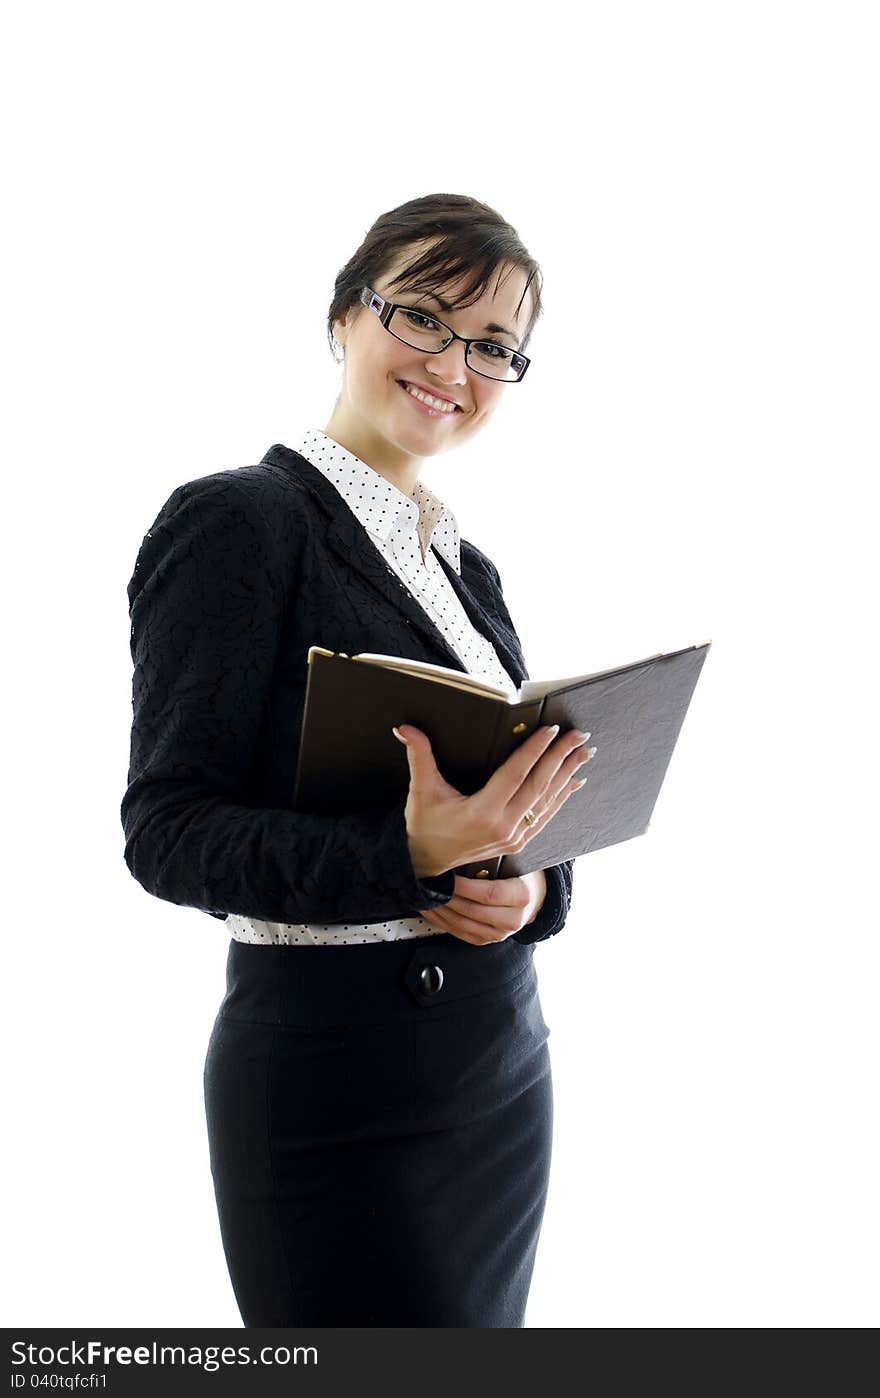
(426, 403)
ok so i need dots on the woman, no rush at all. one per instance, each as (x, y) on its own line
(377, 1083)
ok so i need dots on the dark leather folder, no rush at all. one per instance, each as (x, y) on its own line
(349, 760)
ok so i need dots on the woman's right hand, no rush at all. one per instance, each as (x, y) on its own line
(445, 829)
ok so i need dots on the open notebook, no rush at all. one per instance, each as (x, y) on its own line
(349, 760)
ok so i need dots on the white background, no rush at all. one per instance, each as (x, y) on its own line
(692, 456)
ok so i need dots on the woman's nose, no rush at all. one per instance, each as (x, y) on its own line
(449, 364)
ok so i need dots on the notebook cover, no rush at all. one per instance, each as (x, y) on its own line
(349, 760)
(634, 717)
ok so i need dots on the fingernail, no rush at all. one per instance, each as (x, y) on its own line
(399, 736)
(591, 752)
(553, 730)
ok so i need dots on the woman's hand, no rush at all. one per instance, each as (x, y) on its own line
(489, 910)
(446, 829)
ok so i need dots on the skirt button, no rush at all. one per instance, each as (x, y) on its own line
(431, 979)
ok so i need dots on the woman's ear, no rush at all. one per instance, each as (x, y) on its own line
(342, 326)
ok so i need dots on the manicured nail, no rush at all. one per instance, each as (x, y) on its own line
(553, 730)
(591, 752)
(399, 736)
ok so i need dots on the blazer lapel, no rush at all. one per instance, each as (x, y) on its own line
(348, 538)
(485, 622)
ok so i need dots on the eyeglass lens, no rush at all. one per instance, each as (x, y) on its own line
(486, 356)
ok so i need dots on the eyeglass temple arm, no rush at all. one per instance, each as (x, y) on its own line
(373, 300)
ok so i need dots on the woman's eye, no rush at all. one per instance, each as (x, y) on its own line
(423, 322)
(495, 351)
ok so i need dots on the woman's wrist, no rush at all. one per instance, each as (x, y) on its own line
(422, 867)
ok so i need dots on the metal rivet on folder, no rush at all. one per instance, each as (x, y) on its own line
(520, 728)
(482, 873)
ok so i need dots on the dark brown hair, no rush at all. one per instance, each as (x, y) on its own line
(468, 239)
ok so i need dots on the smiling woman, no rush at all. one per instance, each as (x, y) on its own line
(377, 1082)
(444, 255)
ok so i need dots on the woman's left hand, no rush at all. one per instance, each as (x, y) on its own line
(489, 910)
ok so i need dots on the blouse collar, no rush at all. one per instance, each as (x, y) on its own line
(378, 504)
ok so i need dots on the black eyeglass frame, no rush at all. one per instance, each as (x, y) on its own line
(385, 310)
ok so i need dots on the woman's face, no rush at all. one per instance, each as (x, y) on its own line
(377, 415)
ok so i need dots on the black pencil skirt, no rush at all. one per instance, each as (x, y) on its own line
(380, 1123)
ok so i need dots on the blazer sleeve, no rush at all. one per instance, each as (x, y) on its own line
(552, 914)
(207, 601)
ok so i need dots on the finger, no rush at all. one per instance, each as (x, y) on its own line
(547, 814)
(441, 926)
(571, 767)
(506, 781)
(419, 753)
(470, 929)
(481, 890)
(476, 926)
(494, 899)
(490, 924)
(494, 916)
(549, 775)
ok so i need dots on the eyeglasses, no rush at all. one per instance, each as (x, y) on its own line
(424, 332)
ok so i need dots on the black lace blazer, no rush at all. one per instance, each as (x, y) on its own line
(240, 573)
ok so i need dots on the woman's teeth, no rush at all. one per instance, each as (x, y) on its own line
(439, 403)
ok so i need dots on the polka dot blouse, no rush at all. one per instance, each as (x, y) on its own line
(403, 528)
